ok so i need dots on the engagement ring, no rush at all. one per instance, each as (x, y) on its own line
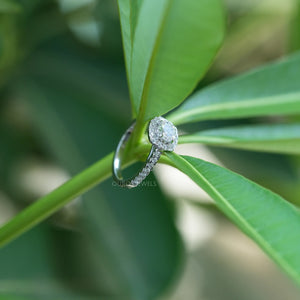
(162, 135)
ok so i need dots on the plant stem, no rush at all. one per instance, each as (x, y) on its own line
(76, 186)
(53, 201)
(137, 135)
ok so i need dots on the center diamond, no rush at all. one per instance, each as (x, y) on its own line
(163, 134)
(169, 132)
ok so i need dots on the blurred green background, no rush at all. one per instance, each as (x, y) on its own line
(64, 104)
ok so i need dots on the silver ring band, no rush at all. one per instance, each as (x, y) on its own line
(163, 136)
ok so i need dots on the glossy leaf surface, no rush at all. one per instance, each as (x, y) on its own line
(270, 90)
(279, 138)
(263, 215)
(169, 45)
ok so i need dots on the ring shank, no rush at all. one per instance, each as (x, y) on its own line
(134, 181)
(117, 162)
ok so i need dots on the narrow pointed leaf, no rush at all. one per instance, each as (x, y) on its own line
(129, 10)
(279, 138)
(264, 216)
(174, 43)
(269, 90)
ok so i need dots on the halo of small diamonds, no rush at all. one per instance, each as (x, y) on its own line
(163, 134)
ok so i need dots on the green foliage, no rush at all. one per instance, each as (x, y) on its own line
(139, 260)
(269, 90)
(124, 243)
(168, 50)
(261, 214)
(278, 138)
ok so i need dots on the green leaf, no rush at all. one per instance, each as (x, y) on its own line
(137, 245)
(269, 90)
(168, 50)
(279, 138)
(264, 216)
(129, 10)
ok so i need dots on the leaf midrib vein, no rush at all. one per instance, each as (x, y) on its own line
(234, 104)
(255, 234)
(145, 91)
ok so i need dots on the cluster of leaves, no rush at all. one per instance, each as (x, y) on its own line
(164, 71)
(169, 46)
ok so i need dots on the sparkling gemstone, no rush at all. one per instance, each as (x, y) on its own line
(163, 134)
(169, 132)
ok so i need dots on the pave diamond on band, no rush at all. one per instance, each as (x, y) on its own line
(163, 136)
